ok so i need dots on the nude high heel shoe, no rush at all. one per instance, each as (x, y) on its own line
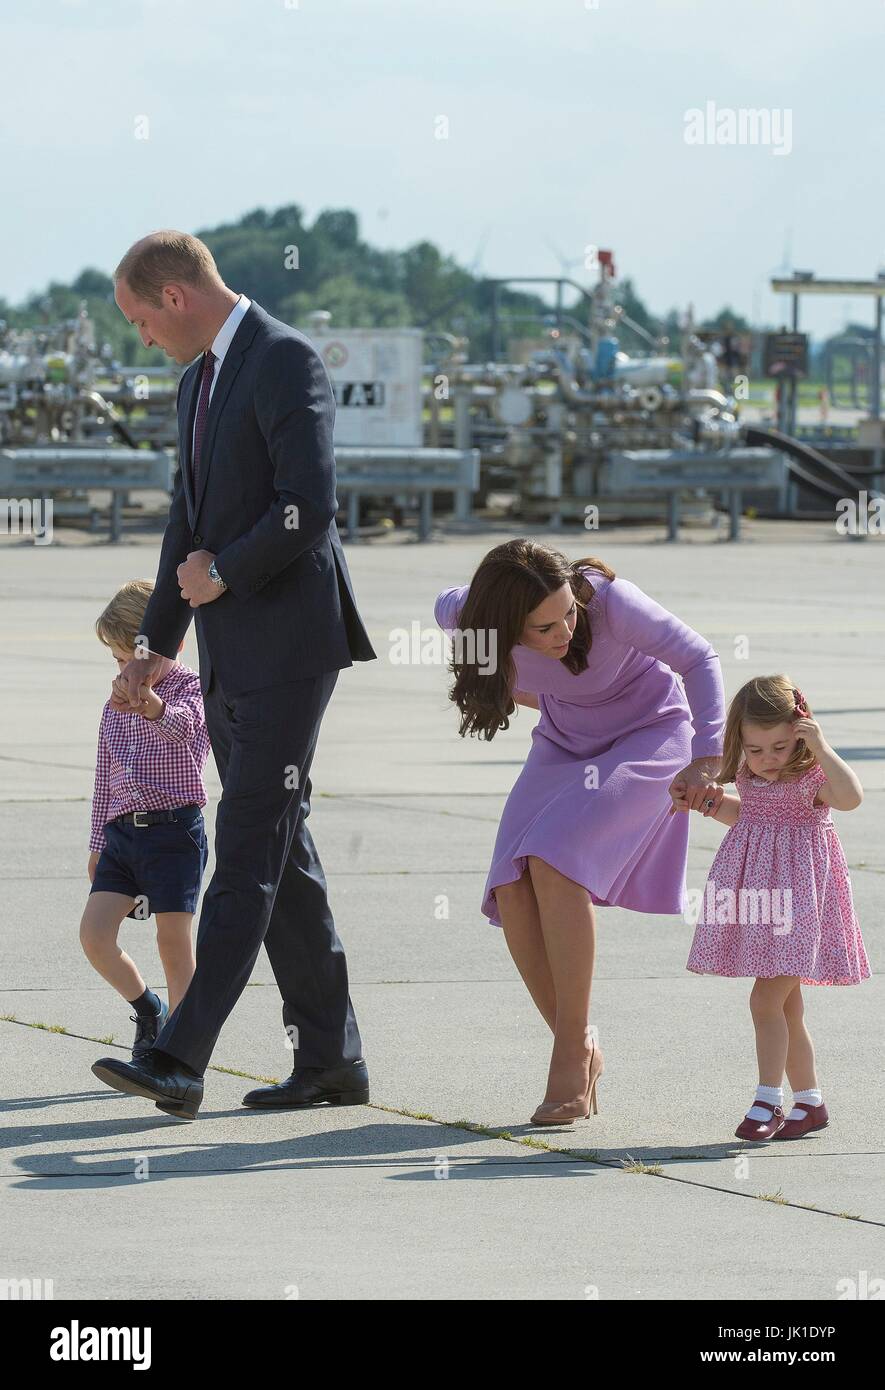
(565, 1112)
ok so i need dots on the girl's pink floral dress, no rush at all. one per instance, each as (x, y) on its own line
(778, 897)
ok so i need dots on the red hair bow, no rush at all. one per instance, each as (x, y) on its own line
(801, 708)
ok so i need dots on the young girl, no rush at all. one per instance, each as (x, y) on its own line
(777, 904)
(147, 840)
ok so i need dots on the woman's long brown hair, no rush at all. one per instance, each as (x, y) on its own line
(766, 701)
(511, 581)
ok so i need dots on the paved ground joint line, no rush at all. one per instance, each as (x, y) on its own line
(590, 1158)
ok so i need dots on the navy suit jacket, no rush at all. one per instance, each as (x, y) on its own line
(265, 507)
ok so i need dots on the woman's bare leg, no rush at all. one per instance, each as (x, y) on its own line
(767, 999)
(801, 1072)
(568, 924)
(521, 921)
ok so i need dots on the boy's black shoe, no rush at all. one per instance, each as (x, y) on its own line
(146, 1030)
(158, 1077)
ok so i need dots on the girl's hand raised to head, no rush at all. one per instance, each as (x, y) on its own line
(812, 735)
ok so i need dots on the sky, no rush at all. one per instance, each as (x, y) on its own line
(566, 125)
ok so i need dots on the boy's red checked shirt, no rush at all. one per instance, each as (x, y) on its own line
(151, 764)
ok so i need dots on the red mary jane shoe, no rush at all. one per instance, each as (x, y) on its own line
(762, 1130)
(815, 1117)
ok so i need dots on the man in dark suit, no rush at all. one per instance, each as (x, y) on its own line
(252, 549)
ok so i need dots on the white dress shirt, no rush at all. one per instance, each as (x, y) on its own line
(220, 344)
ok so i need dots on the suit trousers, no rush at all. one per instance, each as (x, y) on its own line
(268, 883)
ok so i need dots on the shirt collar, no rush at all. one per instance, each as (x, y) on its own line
(222, 340)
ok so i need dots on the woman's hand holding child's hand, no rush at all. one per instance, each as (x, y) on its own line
(695, 785)
(681, 802)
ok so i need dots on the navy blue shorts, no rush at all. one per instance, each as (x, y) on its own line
(162, 864)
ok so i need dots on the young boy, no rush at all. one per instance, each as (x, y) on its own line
(148, 844)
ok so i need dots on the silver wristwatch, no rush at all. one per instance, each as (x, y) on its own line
(216, 577)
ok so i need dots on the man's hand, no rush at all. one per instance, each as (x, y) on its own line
(137, 677)
(151, 706)
(194, 581)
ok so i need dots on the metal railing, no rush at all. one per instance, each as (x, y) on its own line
(396, 471)
(47, 471)
(672, 473)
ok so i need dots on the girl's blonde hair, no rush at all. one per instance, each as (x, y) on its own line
(121, 622)
(766, 701)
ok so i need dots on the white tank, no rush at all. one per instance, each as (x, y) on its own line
(16, 368)
(643, 371)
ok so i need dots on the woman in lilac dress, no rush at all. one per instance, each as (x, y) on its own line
(588, 821)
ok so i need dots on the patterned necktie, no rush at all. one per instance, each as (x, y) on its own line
(202, 411)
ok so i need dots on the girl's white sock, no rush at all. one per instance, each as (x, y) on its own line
(774, 1095)
(806, 1098)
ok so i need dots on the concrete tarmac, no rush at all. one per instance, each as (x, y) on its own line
(439, 1188)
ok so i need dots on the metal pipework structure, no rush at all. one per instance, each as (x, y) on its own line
(558, 432)
(548, 428)
(57, 387)
(72, 422)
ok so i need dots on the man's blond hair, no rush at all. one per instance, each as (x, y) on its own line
(166, 257)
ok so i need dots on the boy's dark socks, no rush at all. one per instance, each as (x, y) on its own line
(146, 1005)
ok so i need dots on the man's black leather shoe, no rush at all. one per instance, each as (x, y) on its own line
(159, 1078)
(146, 1030)
(344, 1085)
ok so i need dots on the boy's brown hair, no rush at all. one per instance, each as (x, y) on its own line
(766, 701)
(121, 622)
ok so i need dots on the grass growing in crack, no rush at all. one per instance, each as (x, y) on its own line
(628, 1165)
(234, 1071)
(394, 1110)
(635, 1165)
(471, 1126)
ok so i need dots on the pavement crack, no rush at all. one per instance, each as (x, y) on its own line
(626, 1165)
